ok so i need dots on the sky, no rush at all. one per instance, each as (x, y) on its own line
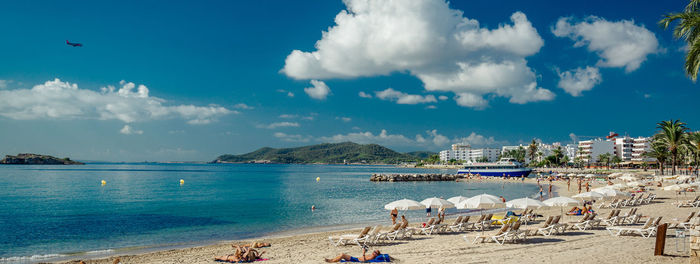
(188, 81)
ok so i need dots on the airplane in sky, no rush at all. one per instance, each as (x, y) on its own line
(74, 44)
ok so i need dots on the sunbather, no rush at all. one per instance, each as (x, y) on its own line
(257, 245)
(574, 211)
(349, 258)
(242, 254)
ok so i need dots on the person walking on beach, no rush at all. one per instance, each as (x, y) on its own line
(579, 185)
(522, 178)
(588, 186)
(568, 184)
(394, 214)
(428, 211)
(550, 190)
(541, 192)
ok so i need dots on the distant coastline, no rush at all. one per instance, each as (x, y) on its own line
(37, 159)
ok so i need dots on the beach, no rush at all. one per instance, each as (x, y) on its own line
(589, 246)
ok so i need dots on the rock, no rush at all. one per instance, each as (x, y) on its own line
(413, 177)
(37, 159)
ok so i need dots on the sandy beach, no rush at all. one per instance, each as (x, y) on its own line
(589, 246)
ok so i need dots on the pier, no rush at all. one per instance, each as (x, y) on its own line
(401, 177)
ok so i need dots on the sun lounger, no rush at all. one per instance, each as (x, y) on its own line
(689, 203)
(391, 234)
(544, 227)
(457, 225)
(684, 223)
(612, 219)
(646, 231)
(497, 237)
(485, 223)
(515, 234)
(348, 238)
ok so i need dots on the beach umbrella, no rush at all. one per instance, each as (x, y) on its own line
(482, 201)
(488, 195)
(683, 177)
(614, 174)
(457, 199)
(685, 185)
(404, 204)
(612, 193)
(525, 203)
(572, 175)
(435, 202)
(589, 196)
(616, 186)
(561, 202)
(590, 175)
(628, 178)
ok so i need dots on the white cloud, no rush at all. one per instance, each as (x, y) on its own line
(403, 98)
(128, 130)
(427, 39)
(579, 80)
(364, 95)
(618, 44)
(647, 96)
(471, 100)
(319, 90)
(292, 137)
(383, 138)
(279, 124)
(443, 98)
(476, 140)
(438, 140)
(344, 119)
(62, 100)
(288, 116)
(289, 94)
(431, 107)
(243, 106)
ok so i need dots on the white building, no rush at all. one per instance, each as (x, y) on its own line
(570, 151)
(623, 148)
(640, 146)
(589, 150)
(467, 153)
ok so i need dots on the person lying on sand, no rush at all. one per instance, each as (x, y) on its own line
(256, 245)
(574, 211)
(349, 258)
(242, 254)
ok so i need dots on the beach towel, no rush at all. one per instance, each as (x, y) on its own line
(380, 258)
(218, 260)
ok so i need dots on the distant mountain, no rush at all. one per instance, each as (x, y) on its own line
(334, 153)
(422, 154)
(37, 159)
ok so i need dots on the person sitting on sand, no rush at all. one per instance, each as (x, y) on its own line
(349, 258)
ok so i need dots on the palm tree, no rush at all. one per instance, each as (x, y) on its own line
(616, 160)
(687, 29)
(558, 154)
(694, 146)
(604, 159)
(532, 150)
(660, 153)
(673, 137)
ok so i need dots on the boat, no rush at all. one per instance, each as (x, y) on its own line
(504, 167)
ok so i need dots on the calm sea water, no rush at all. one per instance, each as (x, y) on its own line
(58, 211)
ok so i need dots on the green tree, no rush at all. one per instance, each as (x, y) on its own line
(433, 159)
(604, 159)
(687, 29)
(694, 147)
(673, 136)
(558, 155)
(659, 152)
(616, 160)
(532, 150)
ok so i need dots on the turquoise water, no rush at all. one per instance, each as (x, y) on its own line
(54, 211)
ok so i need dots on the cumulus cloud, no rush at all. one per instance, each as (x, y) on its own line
(319, 90)
(580, 79)
(383, 138)
(128, 130)
(427, 39)
(292, 137)
(403, 98)
(471, 100)
(364, 95)
(443, 98)
(279, 124)
(343, 118)
(243, 106)
(618, 44)
(62, 100)
(476, 140)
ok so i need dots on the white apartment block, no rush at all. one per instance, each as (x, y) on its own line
(632, 149)
(466, 153)
(589, 150)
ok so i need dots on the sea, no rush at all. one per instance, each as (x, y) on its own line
(52, 213)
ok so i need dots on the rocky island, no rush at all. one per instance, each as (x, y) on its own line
(37, 159)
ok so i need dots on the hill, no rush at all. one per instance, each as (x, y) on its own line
(37, 159)
(334, 153)
(422, 154)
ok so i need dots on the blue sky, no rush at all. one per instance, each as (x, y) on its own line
(218, 76)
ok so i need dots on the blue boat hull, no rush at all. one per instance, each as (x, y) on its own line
(510, 173)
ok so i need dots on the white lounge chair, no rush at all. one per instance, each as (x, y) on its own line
(348, 238)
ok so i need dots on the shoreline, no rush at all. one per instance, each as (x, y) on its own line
(312, 247)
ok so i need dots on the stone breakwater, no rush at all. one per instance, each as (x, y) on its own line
(380, 177)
